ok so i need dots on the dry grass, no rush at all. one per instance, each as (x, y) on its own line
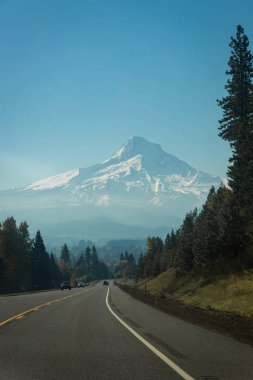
(233, 293)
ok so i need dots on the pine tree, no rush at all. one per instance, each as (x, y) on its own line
(185, 255)
(170, 245)
(236, 126)
(40, 264)
(95, 263)
(9, 253)
(140, 266)
(88, 263)
(25, 253)
(207, 243)
(65, 254)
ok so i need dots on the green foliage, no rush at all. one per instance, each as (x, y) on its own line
(140, 266)
(40, 264)
(211, 241)
(24, 263)
(126, 266)
(236, 126)
(185, 241)
(10, 254)
(88, 267)
(65, 254)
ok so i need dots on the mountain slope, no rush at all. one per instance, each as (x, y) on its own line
(140, 179)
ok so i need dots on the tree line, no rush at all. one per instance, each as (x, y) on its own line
(219, 238)
(126, 266)
(25, 264)
(88, 267)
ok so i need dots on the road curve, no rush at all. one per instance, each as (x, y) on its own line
(78, 337)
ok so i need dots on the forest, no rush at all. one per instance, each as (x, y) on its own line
(25, 265)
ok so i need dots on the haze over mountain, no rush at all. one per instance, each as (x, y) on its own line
(139, 184)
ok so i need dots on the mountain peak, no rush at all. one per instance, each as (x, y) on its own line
(138, 140)
(139, 144)
(153, 157)
(134, 146)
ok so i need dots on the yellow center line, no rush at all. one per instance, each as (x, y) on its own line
(36, 308)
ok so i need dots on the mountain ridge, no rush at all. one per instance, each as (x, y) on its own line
(139, 184)
(137, 158)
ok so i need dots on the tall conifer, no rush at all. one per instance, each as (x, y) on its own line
(236, 126)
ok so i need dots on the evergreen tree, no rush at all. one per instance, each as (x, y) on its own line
(122, 256)
(140, 266)
(95, 263)
(25, 253)
(170, 245)
(65, 257)
(40, 264)
(153, 257)
(9, 253)
(80, 267)
(206, 233)
(236, 126)
(88, 256)
(88, 263)
(186, 240)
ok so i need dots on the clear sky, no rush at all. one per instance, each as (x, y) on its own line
(78, 78)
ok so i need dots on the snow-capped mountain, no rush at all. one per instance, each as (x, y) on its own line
(139, 177)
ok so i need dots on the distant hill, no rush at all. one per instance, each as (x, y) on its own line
(98, 230)
(111, 251)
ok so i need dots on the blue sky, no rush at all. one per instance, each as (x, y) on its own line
(78, 78)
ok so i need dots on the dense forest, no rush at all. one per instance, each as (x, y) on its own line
(26, 265)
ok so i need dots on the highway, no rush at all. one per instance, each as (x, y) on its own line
(100, 332)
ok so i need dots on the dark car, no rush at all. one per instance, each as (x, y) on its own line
(65, 285)
(105, 283)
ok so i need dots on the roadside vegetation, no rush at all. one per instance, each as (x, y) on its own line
(208, 261)
(232, 293)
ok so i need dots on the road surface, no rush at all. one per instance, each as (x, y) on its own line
(100, 332)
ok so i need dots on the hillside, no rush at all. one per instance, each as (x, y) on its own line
(232, 293)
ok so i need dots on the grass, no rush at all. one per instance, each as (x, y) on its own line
(232, 293)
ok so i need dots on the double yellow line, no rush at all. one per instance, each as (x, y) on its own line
(37, 308)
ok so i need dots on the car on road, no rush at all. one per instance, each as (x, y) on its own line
(105, 283)
(81, 284)
(65, 285)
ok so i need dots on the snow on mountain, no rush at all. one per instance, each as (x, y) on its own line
(139, 174)
(59, 180)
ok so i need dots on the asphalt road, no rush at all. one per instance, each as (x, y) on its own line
(75, 335)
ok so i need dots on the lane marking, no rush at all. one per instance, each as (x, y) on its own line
(21, 316)
(164, 358)
(37, 308)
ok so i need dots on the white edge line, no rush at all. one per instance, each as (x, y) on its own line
(164, 358)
